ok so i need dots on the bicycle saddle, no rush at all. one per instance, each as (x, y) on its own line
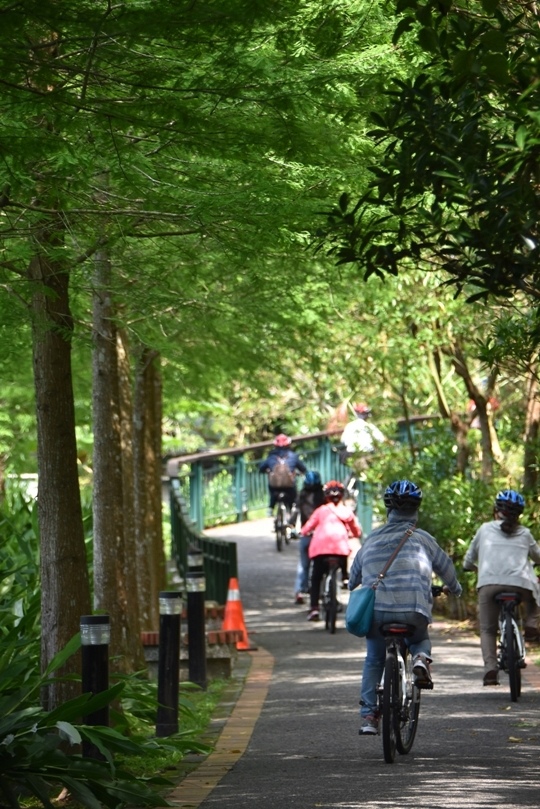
(405, 630)
(502, 597)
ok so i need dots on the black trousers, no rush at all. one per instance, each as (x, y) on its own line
(318, 570)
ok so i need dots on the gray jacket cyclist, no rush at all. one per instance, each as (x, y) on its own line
(404, 595)
(502, 551)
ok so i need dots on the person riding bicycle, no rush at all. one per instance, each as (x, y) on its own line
(501, 552)
(311, 496)
(331, 525)
(360, 436)
(282, 465)
(403, 595)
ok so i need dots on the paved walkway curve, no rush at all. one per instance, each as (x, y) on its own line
(291, 739)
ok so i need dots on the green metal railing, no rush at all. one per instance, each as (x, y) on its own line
(225, 486)
(219, 556)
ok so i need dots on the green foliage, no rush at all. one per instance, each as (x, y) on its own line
(453, 506)
(40, 751)
(456, 185)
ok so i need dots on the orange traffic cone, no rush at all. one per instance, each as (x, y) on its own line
(234, 616)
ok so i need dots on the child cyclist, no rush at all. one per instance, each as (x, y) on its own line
(331, 525)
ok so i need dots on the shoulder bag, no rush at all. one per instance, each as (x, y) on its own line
(359, 614)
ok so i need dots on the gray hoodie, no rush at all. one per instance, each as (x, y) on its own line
(504, 559)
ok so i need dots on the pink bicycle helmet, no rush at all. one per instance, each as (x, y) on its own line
(282, 440)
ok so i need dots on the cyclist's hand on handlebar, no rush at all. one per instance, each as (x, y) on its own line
(439, 589)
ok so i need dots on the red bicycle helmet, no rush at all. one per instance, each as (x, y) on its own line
(334, 490)
(282, 440)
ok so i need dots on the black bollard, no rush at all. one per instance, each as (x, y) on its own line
(95, 639)
(196, 592)
(170, 609)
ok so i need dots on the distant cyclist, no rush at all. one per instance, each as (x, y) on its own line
(282, 466)
(331, 525)
(360, 436)
(311, 496)
(501, 551)
(403, 595)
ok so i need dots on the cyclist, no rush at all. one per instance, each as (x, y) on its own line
(501, 552)
(404, 595)
(330, 525)
(360, 435)
(282, 465)
(311, 496)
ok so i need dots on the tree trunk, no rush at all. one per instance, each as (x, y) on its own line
(110, 567)
(148, 532)
(531, 439)
(460, 428)
(126, 433)
(65, 590)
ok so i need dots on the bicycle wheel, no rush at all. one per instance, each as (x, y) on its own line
(280, 527)
(409, 711)
(389, 707)
(332, 601)
(512, 659)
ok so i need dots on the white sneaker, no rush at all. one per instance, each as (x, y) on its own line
(422, 674)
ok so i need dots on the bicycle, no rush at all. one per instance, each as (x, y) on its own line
(330, 601)
(399, 697)
(511, 646)
(281, 523)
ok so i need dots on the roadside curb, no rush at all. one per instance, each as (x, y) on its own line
(233, 739)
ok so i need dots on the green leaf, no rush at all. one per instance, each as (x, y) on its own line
(428, 39)
(521, 137)
(69, 733)
(403, 25)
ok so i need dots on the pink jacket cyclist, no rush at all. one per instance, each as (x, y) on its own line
(330, 525)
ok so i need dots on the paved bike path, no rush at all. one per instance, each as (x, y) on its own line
(292, 737)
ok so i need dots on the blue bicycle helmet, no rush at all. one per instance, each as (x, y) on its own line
(312, 478)
(509, 501)
(403, 494)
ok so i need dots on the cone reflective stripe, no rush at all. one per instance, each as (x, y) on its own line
(234, 616)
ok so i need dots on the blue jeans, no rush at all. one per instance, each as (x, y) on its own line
(301, 584)
(419, 643)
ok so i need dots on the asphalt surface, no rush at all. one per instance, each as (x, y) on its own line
(474, 747)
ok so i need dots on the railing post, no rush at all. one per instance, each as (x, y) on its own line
(170, 608)
(326, 458)
(240, 493)
(196, 590)
(196, 495)
(95, 639)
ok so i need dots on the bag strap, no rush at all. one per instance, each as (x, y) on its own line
(384, 571)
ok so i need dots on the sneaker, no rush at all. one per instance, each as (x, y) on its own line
(313, 615)
(422, 675)
(491, 677)
(299, 598)
(370, 726)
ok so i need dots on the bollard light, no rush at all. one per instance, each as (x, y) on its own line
(95, 639)
(196, 592)
(170, 603)
(95, 630)
(170, 609)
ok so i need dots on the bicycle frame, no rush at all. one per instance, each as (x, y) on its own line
(511, 646)
(330, 603)
(399, 697)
